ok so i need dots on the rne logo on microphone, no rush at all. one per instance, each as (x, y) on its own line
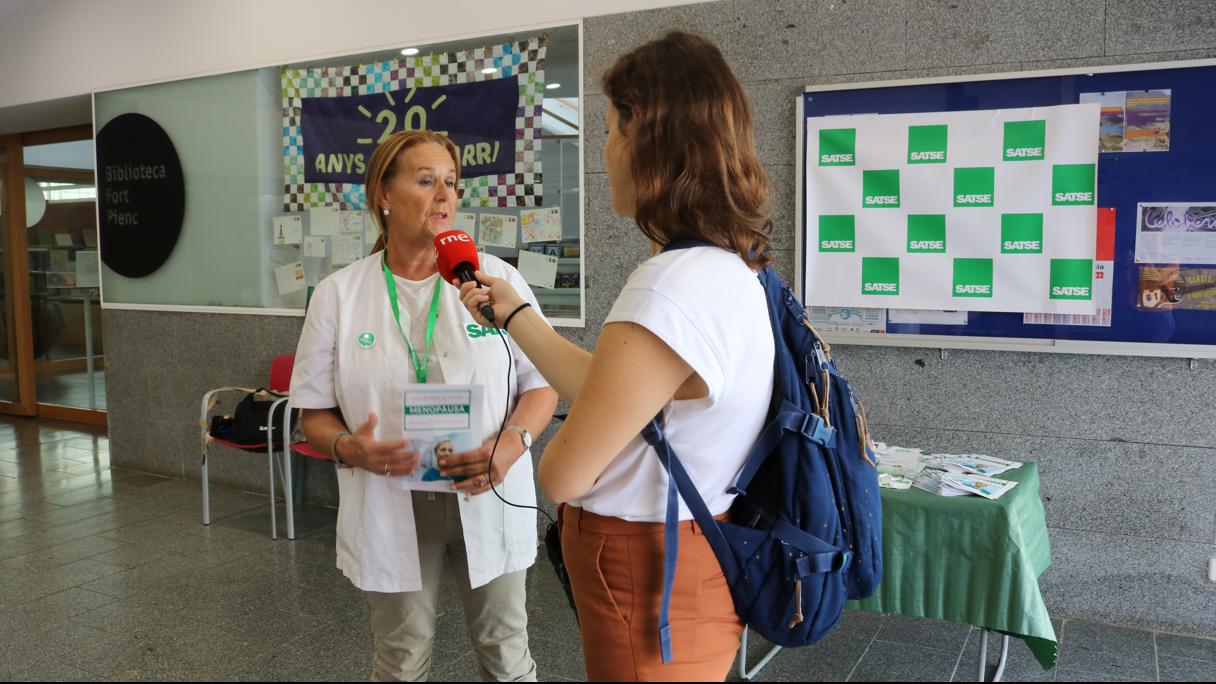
(456, 236)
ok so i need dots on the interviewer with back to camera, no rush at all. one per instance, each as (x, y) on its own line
(351, 367)
(689, 336)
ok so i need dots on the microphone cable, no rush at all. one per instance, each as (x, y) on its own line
(505, 414)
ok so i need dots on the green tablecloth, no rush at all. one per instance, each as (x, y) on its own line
(968, 559)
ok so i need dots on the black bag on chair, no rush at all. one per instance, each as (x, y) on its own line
(251, 415)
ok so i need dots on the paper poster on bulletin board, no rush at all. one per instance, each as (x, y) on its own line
(487, 100)
(1151, 278)
(988, 210)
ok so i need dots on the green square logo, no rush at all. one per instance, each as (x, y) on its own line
(926, 233)
(1072, 185)
(1025, 140)
(972, 278)
(1072, 279)
(927, 144)
(1021, 233)
(880, 189)
(837, 233)
(838, 147)
(973, 187)
(880, 275)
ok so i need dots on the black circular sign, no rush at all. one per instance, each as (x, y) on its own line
(141, 196)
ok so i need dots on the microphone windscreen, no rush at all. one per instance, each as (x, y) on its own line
(454, 248)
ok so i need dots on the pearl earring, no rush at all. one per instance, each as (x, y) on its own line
(384, 211)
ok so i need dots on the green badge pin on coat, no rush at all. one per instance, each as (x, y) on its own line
(366, 340)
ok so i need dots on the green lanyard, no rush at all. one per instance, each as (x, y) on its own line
(420, 365)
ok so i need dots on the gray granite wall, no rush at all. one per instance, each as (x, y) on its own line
(1126, 446)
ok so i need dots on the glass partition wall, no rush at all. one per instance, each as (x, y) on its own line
(51, 351)
(65, 301)
(272, 164)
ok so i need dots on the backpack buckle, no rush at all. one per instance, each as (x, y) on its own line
(844, 559)
(821, 357)
(817, 430)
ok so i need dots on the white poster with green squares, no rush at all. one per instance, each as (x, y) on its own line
(992, 210)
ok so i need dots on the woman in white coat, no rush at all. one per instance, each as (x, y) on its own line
(362, 342)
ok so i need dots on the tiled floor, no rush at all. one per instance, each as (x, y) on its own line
(64, 389)
(109, 574)
(72, 389)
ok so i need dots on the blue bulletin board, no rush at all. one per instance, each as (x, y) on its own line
(1183, 174)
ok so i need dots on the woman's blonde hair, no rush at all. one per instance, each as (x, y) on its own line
(383, 167)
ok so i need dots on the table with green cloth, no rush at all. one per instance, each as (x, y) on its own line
(965, 559)
(969, 559)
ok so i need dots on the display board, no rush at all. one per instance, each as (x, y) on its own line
(271, 163)
(1151, 286)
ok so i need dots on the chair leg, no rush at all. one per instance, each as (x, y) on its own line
(202, 423)
(287, 493)
(274, 525)
(206, 492)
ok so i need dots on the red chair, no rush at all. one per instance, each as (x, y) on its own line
(280, 383)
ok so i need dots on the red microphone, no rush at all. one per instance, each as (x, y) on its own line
(457, 257)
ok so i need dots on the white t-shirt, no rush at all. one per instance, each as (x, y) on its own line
(414, 301)
(709, 307)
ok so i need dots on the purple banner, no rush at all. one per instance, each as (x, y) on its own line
(340, 133)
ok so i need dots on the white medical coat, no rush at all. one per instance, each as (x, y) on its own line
(377, 545)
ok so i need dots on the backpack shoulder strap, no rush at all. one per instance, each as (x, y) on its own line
(678, 479)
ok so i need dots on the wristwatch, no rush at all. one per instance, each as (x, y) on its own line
(523, 432)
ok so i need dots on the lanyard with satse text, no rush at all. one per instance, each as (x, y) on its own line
(420, 365)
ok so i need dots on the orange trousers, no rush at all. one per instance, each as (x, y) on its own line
(616, 572)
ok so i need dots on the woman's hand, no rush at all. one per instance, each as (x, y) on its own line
(382, 458)
(502, 298)
(473, 465)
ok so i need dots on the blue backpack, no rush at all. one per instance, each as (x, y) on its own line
(805, 531)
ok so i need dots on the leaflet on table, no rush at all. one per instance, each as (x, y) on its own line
(987, 487)
(897, 460)
(973, 463)
(890, 481)
(439, 422)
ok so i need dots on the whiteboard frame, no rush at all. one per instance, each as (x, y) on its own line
(1192, 351)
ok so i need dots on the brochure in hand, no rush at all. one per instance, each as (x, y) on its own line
(439, 422)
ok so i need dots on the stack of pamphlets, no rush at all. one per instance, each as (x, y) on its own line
(930, 480)
(957, 475)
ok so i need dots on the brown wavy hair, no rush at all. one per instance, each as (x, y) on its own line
(383, 167)
(693, 154)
